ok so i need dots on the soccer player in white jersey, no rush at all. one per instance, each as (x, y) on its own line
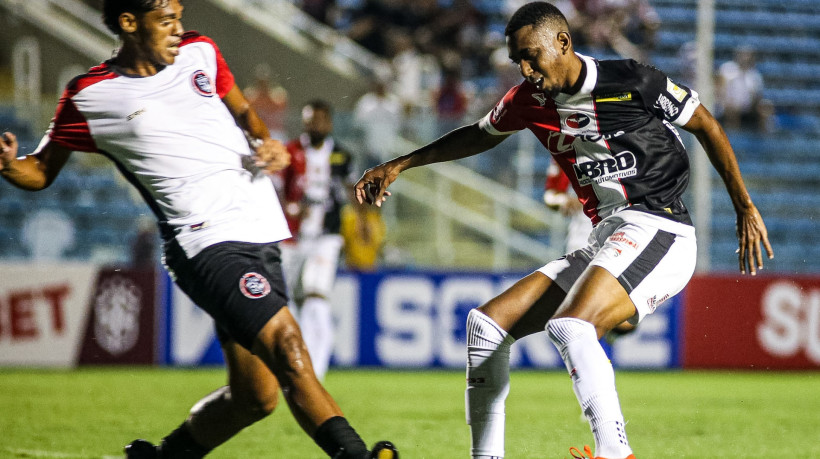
(165, 109)
(610, 125)
(314, 188)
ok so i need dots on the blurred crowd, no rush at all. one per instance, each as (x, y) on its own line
(449, 58)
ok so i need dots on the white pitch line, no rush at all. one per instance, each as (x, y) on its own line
(21, 452)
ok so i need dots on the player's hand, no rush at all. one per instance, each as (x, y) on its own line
(8, 149)
(751, 232)
(372, 187)
(271, 155)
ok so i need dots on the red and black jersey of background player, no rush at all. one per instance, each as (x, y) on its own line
(614, 138)
(293, 182)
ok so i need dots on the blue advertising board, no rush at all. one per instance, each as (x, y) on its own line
(416, 319)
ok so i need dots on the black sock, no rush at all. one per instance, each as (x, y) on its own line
(338, 439)
(180, 444)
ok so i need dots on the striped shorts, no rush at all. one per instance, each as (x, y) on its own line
(652, 257)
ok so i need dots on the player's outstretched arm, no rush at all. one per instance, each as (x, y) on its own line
(751, 231)
(460, 143)
(31, 172)
(271, 154)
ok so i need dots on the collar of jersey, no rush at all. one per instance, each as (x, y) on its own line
(589, 81)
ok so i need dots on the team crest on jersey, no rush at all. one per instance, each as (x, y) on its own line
(202, 83)
(577, 120)
(254, 285)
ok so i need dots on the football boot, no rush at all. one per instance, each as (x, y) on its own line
(587, 454)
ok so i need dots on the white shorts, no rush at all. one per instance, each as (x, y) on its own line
(310, 265)
(652, 257)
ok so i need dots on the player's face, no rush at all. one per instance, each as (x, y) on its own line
(541, 56)
(318, 124)
(159, 34)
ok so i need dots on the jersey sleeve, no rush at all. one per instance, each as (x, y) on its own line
(224, 77)
(69, 127)
(504, 118)
(666, 99)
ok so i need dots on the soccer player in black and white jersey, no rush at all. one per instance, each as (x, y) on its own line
(610, 125)
(166, 110)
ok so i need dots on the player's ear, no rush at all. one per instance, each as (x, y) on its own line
(565, 42)
(128, 22)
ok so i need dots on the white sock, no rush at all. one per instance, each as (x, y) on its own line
(316, 322)
(488, 383)
(593, 381)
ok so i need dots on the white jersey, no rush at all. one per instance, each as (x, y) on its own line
(174, 139)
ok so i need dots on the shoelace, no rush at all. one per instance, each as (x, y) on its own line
(587, 450)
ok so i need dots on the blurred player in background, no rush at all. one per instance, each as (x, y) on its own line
(314, 188)
(559, 197)
(609, 125)
(165, 109)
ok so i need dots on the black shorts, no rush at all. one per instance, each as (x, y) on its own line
(238, 283)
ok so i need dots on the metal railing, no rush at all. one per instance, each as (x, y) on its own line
(492, 207)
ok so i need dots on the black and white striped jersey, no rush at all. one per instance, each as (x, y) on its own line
(614, 138)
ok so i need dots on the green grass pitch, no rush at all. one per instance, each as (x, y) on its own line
(92, 413)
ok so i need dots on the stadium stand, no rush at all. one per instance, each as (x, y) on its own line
(781, 168)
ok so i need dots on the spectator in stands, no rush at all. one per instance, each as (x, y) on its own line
(416, 74)
(451, 101)
(364, 231)
(379, 114)
(321, 10)
(270, 102)
(165, 108)
(740, 94)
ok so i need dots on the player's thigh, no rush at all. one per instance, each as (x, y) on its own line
(598, 298)
(252, 383)
(525, 308)
(281, 346)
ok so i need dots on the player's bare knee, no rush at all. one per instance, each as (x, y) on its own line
(257, 405)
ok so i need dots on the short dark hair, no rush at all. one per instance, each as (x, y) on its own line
(320, 104)
(534, 14)
(112, 9)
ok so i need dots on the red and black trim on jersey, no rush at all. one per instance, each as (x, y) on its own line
(224, 77)
(70, 128)
(613, 139)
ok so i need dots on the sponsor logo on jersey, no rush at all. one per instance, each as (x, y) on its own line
(620, 97)
(596, 136)
(558, 143)
(667, 106)
(337, 158)
(254, 285)
(202, 83)
(497, 112)
(675, 91)
(135, 114)
(654, 302)
(577, 120)
(541, 98)
(622, 238)
(619, 166)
